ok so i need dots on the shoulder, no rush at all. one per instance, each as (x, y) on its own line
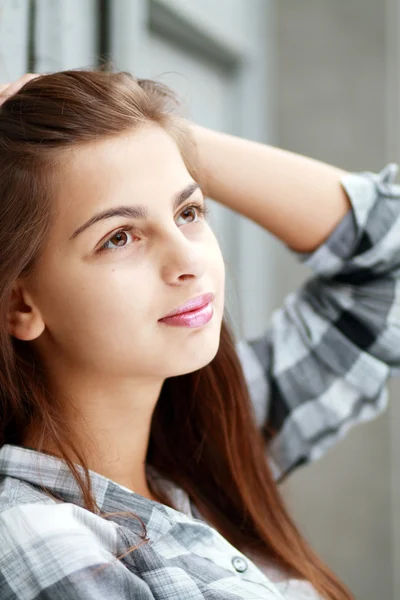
(54, 552)
(60, 548)
(32, 519)
(30, 514)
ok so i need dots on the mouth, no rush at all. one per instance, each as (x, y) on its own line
(191, 318)
(191, 305)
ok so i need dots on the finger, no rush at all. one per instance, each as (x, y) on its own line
(8, 89)
(14, 86)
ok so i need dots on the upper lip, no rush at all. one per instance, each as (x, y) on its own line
(192, 304)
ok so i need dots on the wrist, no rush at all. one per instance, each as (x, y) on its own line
(200, 148)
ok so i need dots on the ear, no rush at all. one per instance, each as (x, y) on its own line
(25, 321)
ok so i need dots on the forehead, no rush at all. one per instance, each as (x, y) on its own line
(131, 167)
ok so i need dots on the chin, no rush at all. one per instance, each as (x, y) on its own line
(195, 355)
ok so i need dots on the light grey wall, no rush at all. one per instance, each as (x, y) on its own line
(330, 104)
(393, 146)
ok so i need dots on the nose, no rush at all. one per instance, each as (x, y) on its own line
(181, 258)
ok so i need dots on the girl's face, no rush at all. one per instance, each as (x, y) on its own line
(101, 291)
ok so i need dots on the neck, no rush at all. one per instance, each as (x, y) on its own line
(112, 435)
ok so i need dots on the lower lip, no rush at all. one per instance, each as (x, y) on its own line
(194, 318)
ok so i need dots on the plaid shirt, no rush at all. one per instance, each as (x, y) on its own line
(322, 367)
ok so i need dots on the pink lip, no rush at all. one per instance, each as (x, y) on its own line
(194, 313)
(192, 304)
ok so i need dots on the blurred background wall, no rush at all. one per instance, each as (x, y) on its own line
(335, 102)
(318, 77)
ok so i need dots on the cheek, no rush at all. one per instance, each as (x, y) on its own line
(115, 295)
(108, 296)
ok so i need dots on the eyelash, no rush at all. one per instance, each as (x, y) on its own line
(201, 209)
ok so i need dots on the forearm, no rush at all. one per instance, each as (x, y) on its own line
(298, 199)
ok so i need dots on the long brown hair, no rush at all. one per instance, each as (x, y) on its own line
(203, 432)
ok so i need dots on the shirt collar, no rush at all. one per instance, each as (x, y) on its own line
(45, 471)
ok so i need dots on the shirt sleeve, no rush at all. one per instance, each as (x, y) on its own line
(324, 362)
(47, 552)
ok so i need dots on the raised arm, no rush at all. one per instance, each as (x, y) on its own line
(298, 199)
(324, 362)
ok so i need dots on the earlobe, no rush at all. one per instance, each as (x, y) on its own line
(24, 319)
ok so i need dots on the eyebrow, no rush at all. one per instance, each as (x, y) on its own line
(136, 211)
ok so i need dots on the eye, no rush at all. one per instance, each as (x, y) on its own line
(120, 235)
(201, 210)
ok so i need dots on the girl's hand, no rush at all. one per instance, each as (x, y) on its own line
(8, 89)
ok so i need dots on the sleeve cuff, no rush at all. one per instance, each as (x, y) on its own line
(364, 190)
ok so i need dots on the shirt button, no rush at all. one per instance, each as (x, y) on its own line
(239, 563)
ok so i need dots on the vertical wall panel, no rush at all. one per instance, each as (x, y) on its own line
(13, 39)
(256, 267)
(128, 36)
(66, 34)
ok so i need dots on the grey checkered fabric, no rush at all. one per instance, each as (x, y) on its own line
(323, 365)
(321, 368)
